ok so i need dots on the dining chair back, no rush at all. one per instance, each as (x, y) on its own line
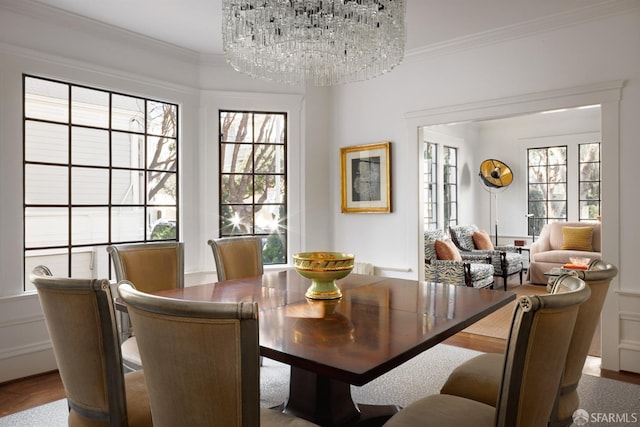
(152, 267)
(479, 378)
(237, 257)
(200, 361)
(80, 319)
(532, 367)
(598, 277)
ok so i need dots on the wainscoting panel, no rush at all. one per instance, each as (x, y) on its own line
(25, 347)
(629, 315)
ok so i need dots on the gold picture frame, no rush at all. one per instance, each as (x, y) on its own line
(366, 178)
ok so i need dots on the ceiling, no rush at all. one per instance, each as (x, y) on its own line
(195, 24)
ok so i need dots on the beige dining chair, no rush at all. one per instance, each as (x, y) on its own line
(537, 347)
(479, 377)
(81, 322)
(152, 267)
(201, 361)
(237, 257)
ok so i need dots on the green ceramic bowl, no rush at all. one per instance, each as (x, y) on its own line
(323, 268)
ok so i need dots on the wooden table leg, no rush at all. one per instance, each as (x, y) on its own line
(328, 402)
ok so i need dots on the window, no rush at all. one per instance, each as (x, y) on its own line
(253, 179)
(430, 182)
(589, 181)
(547, 189)
(99, 168)
(450, 203)
(440, 200)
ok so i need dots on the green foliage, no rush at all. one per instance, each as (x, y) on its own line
(273, 251)
(163, 231)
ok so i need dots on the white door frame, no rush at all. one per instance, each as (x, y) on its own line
(608, 95)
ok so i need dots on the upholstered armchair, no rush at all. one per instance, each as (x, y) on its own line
(529, 374)
(559, 241)
(477, 272)
(472, 242)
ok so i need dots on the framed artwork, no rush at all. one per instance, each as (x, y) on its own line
(366, 178)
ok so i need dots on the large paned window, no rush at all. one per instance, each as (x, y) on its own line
(440, 186)
(589, 181)
(100, 167)
(450, 186)
(253, 179)
(547, 189)
(430, 182)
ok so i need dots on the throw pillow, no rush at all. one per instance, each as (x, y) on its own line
(482, 241)
(463, 235)
(577, 238)
(446, 250)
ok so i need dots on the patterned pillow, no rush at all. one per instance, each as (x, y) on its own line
(463, 235)
(482, 241)
(577, 238)
(446, 250)
(433, 235)
(430, 238)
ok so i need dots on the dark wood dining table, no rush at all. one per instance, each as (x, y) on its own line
(378, 324)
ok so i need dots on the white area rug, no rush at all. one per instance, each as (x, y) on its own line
(416, 378)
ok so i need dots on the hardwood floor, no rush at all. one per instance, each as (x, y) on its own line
(496, 345)
(26, 393)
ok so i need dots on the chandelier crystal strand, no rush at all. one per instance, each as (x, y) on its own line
(326, 42)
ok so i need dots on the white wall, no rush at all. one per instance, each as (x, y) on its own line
(435, 84)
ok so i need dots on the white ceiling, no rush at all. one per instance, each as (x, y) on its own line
(195, 24)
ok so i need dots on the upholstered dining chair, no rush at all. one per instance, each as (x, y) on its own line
(237, 257)
(201, 361)
(537, 347)
(152, 267)
(479, 377)
(80, 319)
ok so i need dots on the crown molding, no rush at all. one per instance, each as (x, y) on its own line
(609, 91)
(66, 19)
(525, 29)
(84, 66)
(213, 60)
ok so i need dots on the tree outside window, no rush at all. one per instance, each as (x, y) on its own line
(430, 186)
(547, 187)
(253, 196)
(440, 194)
(589, 181)
(450, 181)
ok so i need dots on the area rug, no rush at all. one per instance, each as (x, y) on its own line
(421, 376)
(496, 325)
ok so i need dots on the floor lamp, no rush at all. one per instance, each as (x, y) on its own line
(496, 176)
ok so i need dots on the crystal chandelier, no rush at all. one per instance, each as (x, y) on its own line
(326, 42)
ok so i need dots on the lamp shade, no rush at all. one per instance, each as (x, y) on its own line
(495, 174)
